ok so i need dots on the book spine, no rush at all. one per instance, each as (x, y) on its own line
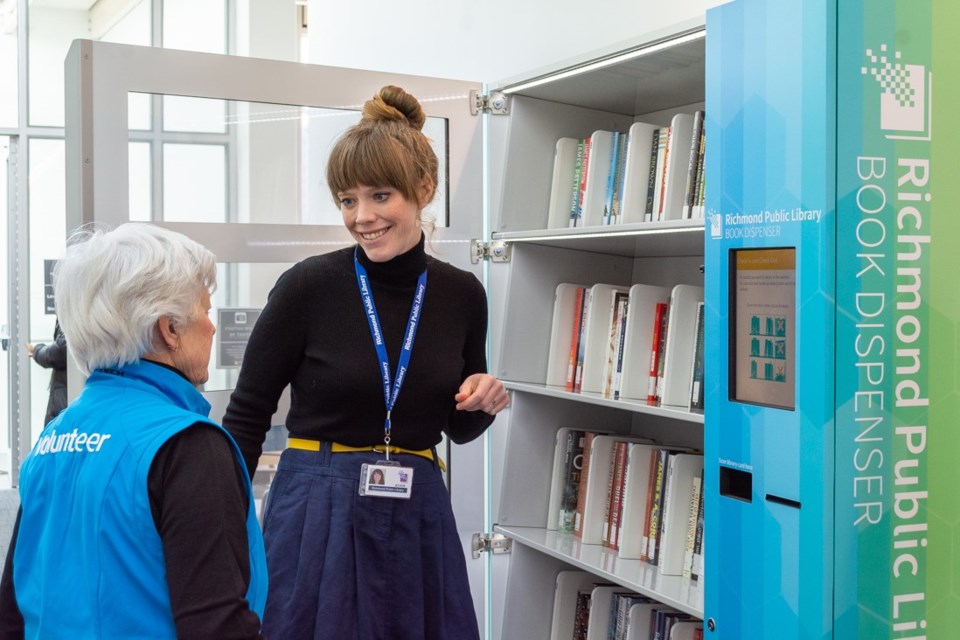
(698, 194)
(608, 506)
(662, 174)
(652, 176)
(692, 525)
(648, 509)
(582, 187)
(656, 512)
(659, 314)
(573, 466)
(575, 338)
(693, 165)
(582, 341)
(616, 508)
(611, 180)
(697, 566)
(621, 335)
(582, 489)
(696, 383)
(620, 180)
(575, 186)
(662, 351)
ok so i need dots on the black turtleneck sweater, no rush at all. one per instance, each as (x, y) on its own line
(313, 335)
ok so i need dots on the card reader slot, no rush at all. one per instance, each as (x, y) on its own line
(736, 484)
(787, 502)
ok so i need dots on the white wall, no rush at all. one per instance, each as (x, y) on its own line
(480, 41)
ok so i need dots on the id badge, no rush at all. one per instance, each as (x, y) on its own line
(386, 481)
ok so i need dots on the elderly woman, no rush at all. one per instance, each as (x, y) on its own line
(137, 518)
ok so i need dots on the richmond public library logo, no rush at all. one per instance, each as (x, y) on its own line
(905, 104)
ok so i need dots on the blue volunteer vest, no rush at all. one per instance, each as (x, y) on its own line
(89, 560)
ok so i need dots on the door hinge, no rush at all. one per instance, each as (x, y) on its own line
(496, 543)
(496, 103)
(495, 251)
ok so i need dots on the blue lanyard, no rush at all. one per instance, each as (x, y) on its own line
(390, 391)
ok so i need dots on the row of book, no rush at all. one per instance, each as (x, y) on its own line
(640, 499)
(641, 342)
(648, 173)
(584, 609)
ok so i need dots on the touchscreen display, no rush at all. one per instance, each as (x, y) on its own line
(763, 288)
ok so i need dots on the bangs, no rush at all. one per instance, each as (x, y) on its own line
(373, 158)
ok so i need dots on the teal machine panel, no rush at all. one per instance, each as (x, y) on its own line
(769, 309)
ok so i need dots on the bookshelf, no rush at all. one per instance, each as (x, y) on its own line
(664, 78)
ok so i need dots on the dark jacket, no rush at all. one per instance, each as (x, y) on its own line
(54, 356)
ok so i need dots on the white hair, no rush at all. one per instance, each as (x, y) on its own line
(112, 287)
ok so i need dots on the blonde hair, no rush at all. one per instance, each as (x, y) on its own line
(387, 148)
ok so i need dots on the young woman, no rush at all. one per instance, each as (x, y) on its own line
(384, 349)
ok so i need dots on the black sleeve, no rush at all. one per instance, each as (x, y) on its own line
(11, 620)
(199, 505)
(53, 355)
(464, 426)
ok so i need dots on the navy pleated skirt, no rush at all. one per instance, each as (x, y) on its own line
(347, 567)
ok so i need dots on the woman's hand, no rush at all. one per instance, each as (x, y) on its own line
(482, 392)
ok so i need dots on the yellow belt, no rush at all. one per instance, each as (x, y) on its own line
(336, 447)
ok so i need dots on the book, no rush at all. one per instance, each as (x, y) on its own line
(581, 616)
(582, 337)
(676, 162)
(561, 333)
(661, 354)
(656, 508)
(641, 309)
(594, 481)
(701, 171)
(610, 195)
(614, 361)
(596, 335)
(572, 475)
(658, 458)
(559, 474)
(693, 166)
(619, 176)
(636, 172)
(634, 500)
(678, 352)
(620, 461)
(575, 335)
(597, 170)
(601, 601)
(567, 587)
(658, 327)
(692, 514)
(659, 173)
(682, 469)
(621, 336)
(696, 375)
(578, 518)
(696, 568)
(562, 191)
(580, 180)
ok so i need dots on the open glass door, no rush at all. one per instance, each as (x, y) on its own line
(231, 151)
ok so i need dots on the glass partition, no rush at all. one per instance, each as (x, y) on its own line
(247, 162)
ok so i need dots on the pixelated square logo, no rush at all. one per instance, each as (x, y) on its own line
(904, 94)
(716, 225)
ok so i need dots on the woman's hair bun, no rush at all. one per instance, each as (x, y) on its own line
(393, 103)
